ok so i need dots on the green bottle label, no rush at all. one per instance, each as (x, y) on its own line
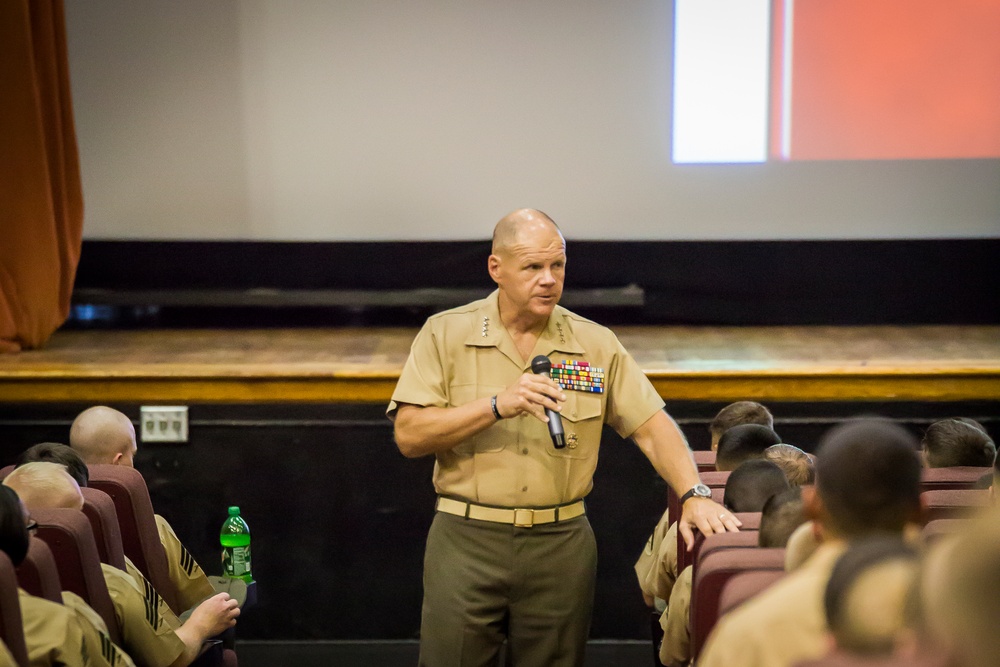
(236, 561)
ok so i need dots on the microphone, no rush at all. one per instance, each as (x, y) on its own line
(541, 365)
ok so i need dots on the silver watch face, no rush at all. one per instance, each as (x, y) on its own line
(702, 491)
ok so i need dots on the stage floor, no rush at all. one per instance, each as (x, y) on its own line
(915, 363)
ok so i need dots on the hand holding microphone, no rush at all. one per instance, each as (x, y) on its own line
(541, 365)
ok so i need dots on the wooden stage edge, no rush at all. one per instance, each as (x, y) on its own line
(932, 363)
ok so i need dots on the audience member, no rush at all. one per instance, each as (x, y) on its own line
(742, 443)
(867, 595)
(867, 482)
(748, 488)
(797, 465)
(801, 544)
(782, 514)
(957, 442)
(54, 452)
(151, 632)
(54, 633)
(735, 414)
(104, 435)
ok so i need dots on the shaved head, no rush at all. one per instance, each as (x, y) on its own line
(506, 235)
(43, 485)
(103, 435)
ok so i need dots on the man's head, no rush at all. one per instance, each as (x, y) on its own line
(13, 530)
(782, 514)
(867, 480)
(53, 452)
(795, 463)
(960, 593)
(742, 443)
(736, 414)
(957, 442)
(43, 485)
(528, 264)
(867, 595)
(103, 435)
(752, 484)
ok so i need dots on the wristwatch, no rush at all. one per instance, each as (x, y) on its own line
(699, 491)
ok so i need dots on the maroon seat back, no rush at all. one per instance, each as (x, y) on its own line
(37, 574)
(704, 460)
(69, 536)
(140, 538)
(716, 481)
(744, 586)
(100, 511)
(958, 477)
(11, 627)
(953, 503)
(745, 539)
(714, 572)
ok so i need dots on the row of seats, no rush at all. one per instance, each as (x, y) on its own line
(117, 521)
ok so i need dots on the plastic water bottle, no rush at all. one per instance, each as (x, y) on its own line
(235, 540)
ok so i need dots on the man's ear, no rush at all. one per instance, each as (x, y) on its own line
(493, 265)
(812, 506)
(117, 460)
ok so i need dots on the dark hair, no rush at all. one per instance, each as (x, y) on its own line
(53, 452)
(742, 443)
(741, 412)
(13, 533)
(860, 557)
(868, 477)
(958, 442)
(752, 484)
(782, 514)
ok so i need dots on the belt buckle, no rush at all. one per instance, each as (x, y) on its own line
(524, 518)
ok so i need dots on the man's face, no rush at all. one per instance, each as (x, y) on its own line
(530, 273)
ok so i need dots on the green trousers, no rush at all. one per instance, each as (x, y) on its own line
(486, 582)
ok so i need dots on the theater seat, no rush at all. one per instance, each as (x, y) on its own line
(958, 477)
(716, 481)
(140, 539)
(705, 460)
(953, 503)
(714, 571)
(69, 536)
(745, 586)
(100, 511)
(11, 628)
(37, 574)
(745, 539)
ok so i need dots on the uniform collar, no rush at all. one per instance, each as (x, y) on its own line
(488, 331)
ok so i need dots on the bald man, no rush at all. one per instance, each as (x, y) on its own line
(511, 554)
(104, 435)
(151, 633)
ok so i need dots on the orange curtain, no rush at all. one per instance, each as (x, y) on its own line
(41, 199)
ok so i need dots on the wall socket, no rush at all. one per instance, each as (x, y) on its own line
(163, 423)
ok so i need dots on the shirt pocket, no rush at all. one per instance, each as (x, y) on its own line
(583, 423)
(492, 439)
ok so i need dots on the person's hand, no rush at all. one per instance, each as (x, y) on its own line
(707, 516)
(214, 615)
(531, 394)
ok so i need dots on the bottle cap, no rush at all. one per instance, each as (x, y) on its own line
(234, 511)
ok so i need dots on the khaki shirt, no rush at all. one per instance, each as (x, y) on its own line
(782, 626)
(54, 635)
(6, 658)
(656, 568)
(466, 354)
(189, 579)
(146, 622)
(676, 622)
(96, 631)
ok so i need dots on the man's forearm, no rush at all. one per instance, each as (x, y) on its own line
(427, 430)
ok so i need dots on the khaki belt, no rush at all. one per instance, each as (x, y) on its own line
(521, 518)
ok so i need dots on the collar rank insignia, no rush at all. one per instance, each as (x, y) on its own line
(578, 376)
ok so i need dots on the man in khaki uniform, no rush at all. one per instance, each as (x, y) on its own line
(104, 435)
(867, 482)
(510, 553)
(151, 633)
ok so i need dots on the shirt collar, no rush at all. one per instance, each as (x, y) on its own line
(488, 331)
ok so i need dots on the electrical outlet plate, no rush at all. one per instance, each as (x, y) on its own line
(163, 423)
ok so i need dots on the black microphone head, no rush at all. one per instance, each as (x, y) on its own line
(541, 364)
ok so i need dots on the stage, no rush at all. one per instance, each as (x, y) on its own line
(361, 365)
